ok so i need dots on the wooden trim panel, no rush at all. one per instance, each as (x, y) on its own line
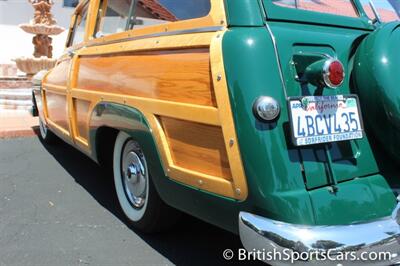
(57, 109)
(177, 82)
(226, 118)
(197, 147)
(82, 112)
(196, 113)
(59, 75)
(171, 75)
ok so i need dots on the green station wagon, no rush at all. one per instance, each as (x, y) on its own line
(258, 116)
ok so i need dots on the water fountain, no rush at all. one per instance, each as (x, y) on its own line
(42, 25)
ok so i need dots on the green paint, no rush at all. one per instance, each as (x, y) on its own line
(314, 72)
(352, 158)
(285, 183)
(377, 79)
(358, 200)
(224, 211)
(278, 172)
(244, 13)
(276, 12)
(272, 164)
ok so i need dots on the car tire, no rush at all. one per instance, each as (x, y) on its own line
(34, 110)
(136, 193)
(46, 135)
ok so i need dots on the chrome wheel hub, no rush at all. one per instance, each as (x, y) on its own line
(134, 174)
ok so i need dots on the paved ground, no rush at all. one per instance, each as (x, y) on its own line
(56, 208)
(17, 123)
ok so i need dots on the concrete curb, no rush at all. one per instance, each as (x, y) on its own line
(19, 133)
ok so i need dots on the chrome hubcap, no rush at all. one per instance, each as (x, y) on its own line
(134, 174)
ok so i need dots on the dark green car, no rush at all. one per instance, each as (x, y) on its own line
(315, 179)
(278, 120)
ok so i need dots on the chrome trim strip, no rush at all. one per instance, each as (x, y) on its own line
(382, 235)
(153, 35)
(160, 34)
(278, 60)
(262, 7)
(375, 11)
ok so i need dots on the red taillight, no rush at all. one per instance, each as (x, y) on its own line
(333, 73)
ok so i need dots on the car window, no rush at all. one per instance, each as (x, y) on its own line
(70, 3)
(78, 31)
(112, 16)
(117, 15)
(388, 10)
(335, 7)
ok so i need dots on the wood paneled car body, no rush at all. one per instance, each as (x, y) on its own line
(243, 113)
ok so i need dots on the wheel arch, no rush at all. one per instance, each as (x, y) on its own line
(118, 117)
(108, 119)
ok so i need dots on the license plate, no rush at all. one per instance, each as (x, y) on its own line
(323, 119)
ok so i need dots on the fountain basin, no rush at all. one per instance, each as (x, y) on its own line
(31, 65)
(42, 29)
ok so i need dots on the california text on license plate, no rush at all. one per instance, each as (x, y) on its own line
(322, 119)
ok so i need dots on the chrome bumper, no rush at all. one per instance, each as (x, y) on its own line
(268, 237)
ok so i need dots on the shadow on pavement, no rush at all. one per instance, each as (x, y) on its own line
(190, 242)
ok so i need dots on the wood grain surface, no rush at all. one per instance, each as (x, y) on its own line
(57, 109)
(197, 147)
(81, 108)
(59, 75)
(180, 76)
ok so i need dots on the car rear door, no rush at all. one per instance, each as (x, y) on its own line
(56, 84)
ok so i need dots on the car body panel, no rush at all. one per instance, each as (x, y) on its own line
(272, 163)
(349, 159)
(192, 111)
(102, 71)
(377, 79)
(374, 199)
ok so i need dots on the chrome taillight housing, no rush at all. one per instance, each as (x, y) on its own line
(333, 73)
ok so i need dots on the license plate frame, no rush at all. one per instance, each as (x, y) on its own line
(324, 138)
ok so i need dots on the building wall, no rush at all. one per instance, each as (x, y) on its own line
(14, 41)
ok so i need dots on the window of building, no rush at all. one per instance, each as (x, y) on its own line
(117, 16)
(78, 32)
(335, 7)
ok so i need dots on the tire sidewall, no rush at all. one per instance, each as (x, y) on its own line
(44, 131)
(133, 214)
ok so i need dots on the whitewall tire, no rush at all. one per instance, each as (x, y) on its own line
(135, 190)
(45, 134)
